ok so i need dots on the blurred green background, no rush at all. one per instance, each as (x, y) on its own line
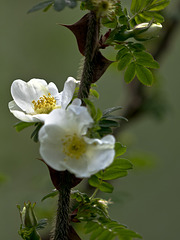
(34, 45)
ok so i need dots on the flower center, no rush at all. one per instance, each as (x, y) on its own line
(44, 104)
(74, 146)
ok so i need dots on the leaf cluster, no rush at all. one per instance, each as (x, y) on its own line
(58, 5)
(145, 11)
(132, 56)
(94, 212)
(103, 121)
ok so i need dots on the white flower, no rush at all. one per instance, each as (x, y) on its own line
(64, 146)
(35, 99)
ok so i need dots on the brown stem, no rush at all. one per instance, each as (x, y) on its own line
(62, 219)
(90, 52)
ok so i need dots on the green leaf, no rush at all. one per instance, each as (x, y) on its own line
(109, 22)
(42, 223)
(59, 5)
(130, 72)
(50, 195)
(119, 149)
(123, 232)
(149, 16)
(148, 64)
(107, 111)
(158, 5)
(94, 93)
(115, 117)
(90, 226)
(119, 46)
(113, 173)
(101, 185)
(104, 131)
(137, 47)
(21, 125)
(94, 181)
(143, 55)
(122, 164)
(124, 61)
(106, 187)
(106, 234)
(96, 233)
(140, 19)
(98, 115)
(41, 5)
(121, 53)
(123, 20)
(91, 108)
(108, 123)
(137, 5)
(144, 75)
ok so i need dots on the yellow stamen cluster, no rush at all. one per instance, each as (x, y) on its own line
(74, 146)
(45, 104)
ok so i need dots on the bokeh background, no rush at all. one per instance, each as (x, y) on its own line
(34, 45)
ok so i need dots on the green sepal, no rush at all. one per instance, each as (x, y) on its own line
(35, 133)
(22, 125)
(50, 195)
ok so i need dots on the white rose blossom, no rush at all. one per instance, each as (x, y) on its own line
(65, 146)
(34, 100)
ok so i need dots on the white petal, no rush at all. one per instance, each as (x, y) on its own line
(24, 93)
(18, 113)
(77, 166)
(68, 91)
(83, 118)
(52, 89)
(62, 119)
(51, 147)
(76, 102)
(75, 119)
(100, 154)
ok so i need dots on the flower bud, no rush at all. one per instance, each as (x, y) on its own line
(146, 31)
(27, 215)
